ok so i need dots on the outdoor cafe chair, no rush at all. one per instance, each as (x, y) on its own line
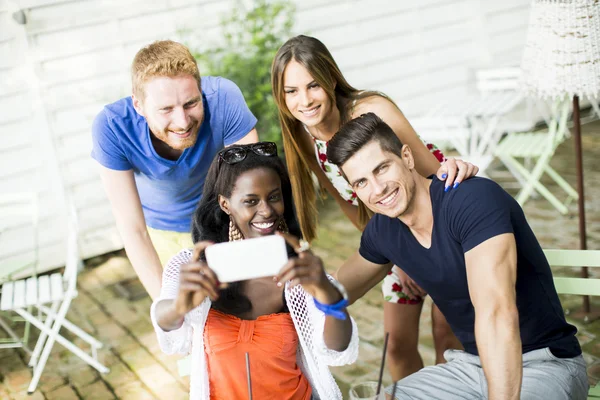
(538, 147)
(16, 208)
(51, 295)
(576, 286)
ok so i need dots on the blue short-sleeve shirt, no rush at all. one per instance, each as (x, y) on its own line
(464, 218)
(170, 190)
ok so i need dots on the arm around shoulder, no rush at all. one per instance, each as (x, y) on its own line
(359, 275)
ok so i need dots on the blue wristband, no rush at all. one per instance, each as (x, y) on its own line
(335, 310)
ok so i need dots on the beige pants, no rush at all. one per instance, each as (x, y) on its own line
(169, 243)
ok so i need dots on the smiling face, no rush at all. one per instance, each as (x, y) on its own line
(256, 203)
(173, 109)
(383, 181)
(305, 99)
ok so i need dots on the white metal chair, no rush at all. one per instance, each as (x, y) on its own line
(15, 208)
(538, 146)
(52, 296)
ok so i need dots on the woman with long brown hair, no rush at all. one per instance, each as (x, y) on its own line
(314, 100)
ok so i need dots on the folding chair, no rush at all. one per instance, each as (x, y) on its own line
(540, 147)
(577, 286)
(52, 296)
(14, 208)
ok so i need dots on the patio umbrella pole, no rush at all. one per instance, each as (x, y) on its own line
(580, 200)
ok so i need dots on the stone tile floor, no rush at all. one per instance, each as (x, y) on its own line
(138, 370)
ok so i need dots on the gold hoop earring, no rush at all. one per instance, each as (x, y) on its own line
(234, 231)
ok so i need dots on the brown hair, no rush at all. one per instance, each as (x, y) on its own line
(161, 58)
(359, 132)
(314, 56)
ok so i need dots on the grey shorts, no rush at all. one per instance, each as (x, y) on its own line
(545, 377)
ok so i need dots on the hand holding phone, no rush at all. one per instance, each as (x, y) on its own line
(247, 259)
(196, 282)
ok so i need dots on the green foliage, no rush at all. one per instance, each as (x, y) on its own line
(252, 36)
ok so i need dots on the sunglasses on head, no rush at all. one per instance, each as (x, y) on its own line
(235, 154)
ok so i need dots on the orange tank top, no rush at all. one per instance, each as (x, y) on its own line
(271, 341)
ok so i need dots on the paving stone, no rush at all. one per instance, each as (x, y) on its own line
(427, 354)
(111, 333)
(158, 379)
(125, 344)
(140, 326)
(120, 310)
(86, 304)
(17, 380)
(134, 391)
(63, 393)
(114, 270)
(184, 381)
(370, 332)
(83, 377)
(363, 311)
(142, 306)
(171, 392)
(11, 363)
(119, 375)
(51, 379)
(37, 395)
(96, 391)
(103, 295)
(137, 358)
(149, 340)
(368, 352)
(584, 338)
(108, 358)
(594, 371)
(99, 318)
(89, 282)
(358, 372)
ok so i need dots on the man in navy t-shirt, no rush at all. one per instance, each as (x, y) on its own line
(474, 253)
(155, 148)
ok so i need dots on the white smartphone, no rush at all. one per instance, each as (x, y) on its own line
(247, 259)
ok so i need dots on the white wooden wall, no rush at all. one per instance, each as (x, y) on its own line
(73, 56)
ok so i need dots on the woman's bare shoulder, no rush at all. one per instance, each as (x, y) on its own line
(376, 103)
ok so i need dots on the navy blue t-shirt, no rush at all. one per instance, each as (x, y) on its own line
(464, 218)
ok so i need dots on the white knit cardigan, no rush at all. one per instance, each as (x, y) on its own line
(313, 356)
